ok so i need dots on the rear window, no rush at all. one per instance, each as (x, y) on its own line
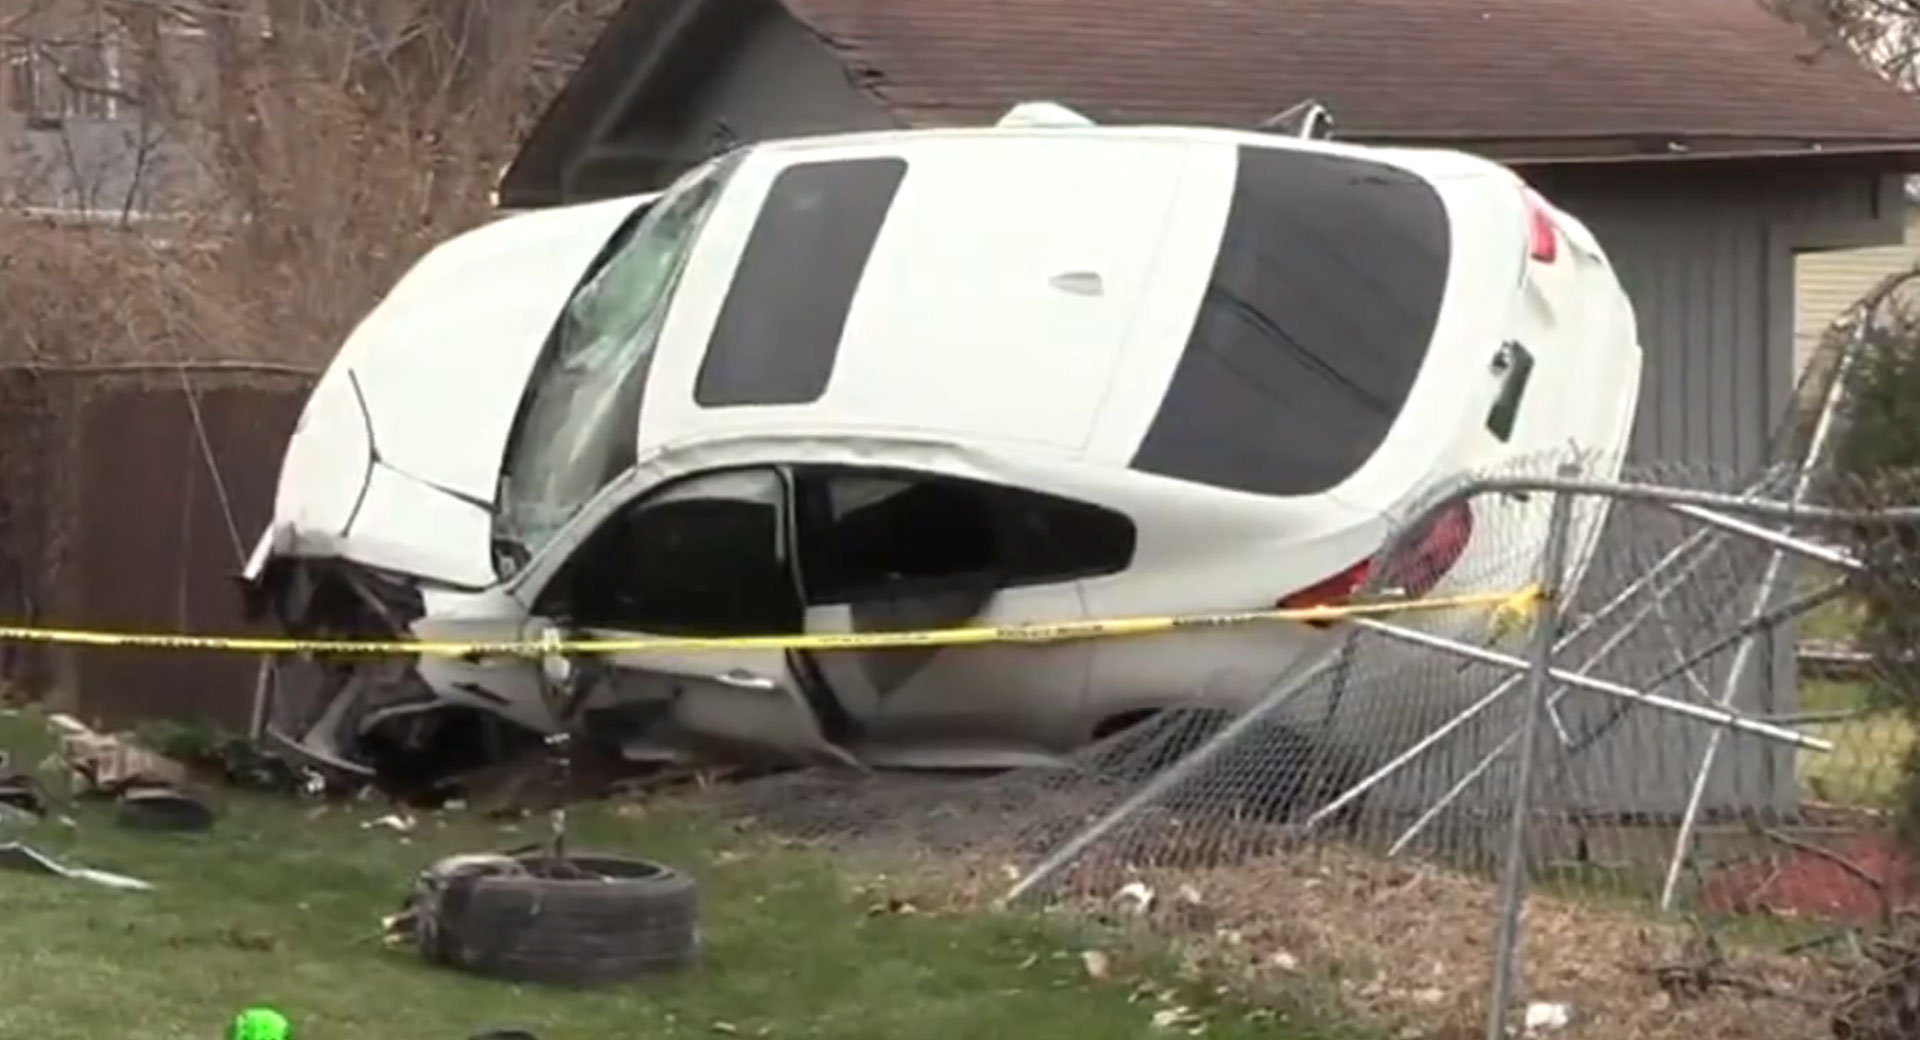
(1318, 314)
(779, 328)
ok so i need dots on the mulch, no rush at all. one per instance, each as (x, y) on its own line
(1857, 880)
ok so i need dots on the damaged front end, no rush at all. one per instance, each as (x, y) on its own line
(360, 719)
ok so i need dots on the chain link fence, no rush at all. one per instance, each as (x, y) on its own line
(1357, 823)
(1668, 801)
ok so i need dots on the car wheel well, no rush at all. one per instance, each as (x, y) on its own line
(425, 756)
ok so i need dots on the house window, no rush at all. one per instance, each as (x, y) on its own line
(699, 557)
(49, 82)
(867, 535)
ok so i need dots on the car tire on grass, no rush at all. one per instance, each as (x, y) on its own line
(585, 920)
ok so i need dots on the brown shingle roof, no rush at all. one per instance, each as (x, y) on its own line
(1557, 77)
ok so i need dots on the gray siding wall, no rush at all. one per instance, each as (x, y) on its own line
(1707, 256)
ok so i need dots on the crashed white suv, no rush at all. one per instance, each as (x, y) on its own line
(923, 379)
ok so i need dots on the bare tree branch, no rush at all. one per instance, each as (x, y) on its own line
(305, 152)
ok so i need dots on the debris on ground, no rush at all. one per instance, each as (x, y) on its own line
(107, 764)
(1136, 897)
(1409, 946)
(1406, 944)
(1886, 1006)
(23, 794)
(16, 856)
(227, 759)
(1545, 1017)
(162, 809)
(415, 923)
(399, 823)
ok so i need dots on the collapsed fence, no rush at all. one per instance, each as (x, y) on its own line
(1642, 743)
(1634, 809)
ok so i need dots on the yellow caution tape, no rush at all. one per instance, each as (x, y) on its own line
(1513, 615)
(1506, 604)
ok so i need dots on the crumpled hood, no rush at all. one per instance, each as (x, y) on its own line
(395, 460)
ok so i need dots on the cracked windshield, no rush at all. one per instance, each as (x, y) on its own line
(582, 412)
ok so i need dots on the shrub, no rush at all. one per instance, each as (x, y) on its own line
(1876, 458)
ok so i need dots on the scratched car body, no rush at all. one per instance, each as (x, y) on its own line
(926, 379)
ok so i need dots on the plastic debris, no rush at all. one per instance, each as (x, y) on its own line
(17, 856)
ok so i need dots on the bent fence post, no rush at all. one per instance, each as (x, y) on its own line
(1763, 599)
(1506, 942)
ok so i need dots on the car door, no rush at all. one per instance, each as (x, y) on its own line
(702, 556)
(889, 550)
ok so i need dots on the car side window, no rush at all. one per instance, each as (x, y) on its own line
(879, 534)
(702, 556)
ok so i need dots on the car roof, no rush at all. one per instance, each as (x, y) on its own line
(1433, 162)
(1102, 236)
(1063, 304)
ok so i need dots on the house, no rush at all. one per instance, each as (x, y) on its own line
(78, 140)
(1827, 284)
(1705, 141)
(1708, 143)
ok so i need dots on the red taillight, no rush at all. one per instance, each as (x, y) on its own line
(1332, 591)
(1429, 557)
(1543, 239)
(1439, 546)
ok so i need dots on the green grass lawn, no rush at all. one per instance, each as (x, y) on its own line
(281, 906)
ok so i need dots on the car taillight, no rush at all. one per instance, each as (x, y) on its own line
(1431, 554)
(1543, 239)
(1438, 547)
(1330, 592)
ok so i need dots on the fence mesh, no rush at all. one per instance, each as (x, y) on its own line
(1355, 817)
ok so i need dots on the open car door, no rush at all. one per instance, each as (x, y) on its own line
(705, 556)
(888, 551)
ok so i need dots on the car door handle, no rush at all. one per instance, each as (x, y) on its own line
(741, 679)
(1513, 364)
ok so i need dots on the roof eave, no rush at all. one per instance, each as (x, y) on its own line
(1901, 152)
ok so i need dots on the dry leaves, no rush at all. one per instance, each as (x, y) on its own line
(1410, 946)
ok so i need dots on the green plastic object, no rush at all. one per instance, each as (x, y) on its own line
(260, 1023)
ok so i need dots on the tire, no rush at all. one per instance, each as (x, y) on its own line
(586, 920)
